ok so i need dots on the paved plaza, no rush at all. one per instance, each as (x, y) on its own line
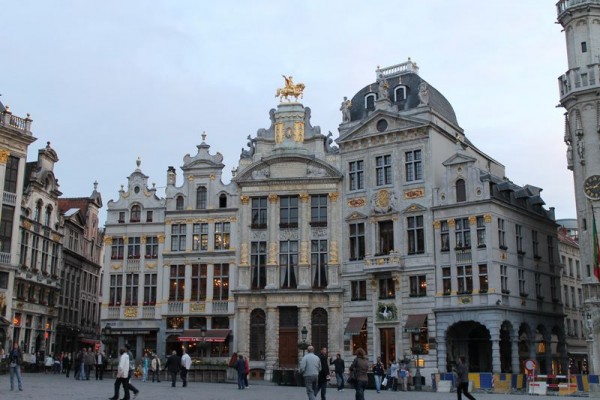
(50, 387)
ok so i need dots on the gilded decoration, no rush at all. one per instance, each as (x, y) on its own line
(414, 193)
(244, 258)
(333, 196)
(197, 307)
(437, 224)
(333, 252)
(26, 225)
(298, 131)
(359, 202)
(108, 240)
(4, 153)
(304, 197)
(291, 89)
(273, 198)
(161, 239)
(487, 218)
(472, 220)
(451, 223)
(116, 267)
(383, 199)
(151, 265)
(213, 177)
(245, 200)
(278, 132)
(303, 252)
(130, 312)
(143, 239)
(272, 253)
(56, 237)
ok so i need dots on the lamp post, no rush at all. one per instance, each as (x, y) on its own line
(418, 350)
(303, 345)
(107, 336)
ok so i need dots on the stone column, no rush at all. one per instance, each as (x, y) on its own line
(548, 354)
(514, 353)
(273, 243)
(496, 359)
(243, 330)
(304, 238)
(244, 273)
(272, 341)
(334, 225)
(442, 353)
(336, 326)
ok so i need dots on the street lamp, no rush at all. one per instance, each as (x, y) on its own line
(107, 336)
(303, 345)
(418, 350)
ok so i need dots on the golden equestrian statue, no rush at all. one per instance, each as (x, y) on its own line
(290, 89)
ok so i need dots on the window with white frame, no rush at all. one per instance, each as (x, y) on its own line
(462, 233)
(133, 247)
(501, 234)
(357, 241)
(288, 212)
(318, 210)
(259, 212)
(288, 264)
(201, 198)
(519, 238)
(176, 282)
(418, 285)
(444, 236)
(358, 290)
(318, 261)
(413, 168)
(117, 248)
(200, 237)
(150, 284)
(446, 281)
(481, 237)
(383, 170)
(221, 282)
(399, 93)
(387, 288)
(258, 264)
(483, 278)
(522, 284)
(464, 279)
(132, 283)
(416, 234)
(199, 280)
(116, 288)
(151, 247)
(356, 175)
(178, 237)
(504, 279)
(222, 235)
(370, 101)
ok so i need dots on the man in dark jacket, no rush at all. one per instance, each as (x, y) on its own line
(338, 363)
(462, 379)
(172, 365)
(323, 374)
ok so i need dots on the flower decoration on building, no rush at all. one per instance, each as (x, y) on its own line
(387, 312)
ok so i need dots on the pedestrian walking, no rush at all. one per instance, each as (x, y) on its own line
(404, 376)
(131, 371)
(78, 365)
(309, 368)
(246, 372)
(462, 379)
(155, 368)
(323, 374)
(186, 365)
(240, 367)
(145, 367)
(48, 364)
(393, 375)
(15, 359)
(340, 367)
(67, 364)
(378, 373)
(122, 376)
(173, 365)
(361, 365)
(89, 361)
(99, 359)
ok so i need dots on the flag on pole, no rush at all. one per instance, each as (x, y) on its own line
(596, 248)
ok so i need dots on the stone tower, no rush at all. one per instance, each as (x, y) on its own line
(579, 94)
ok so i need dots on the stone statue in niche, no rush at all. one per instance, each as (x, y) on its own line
(345, 109)
(581, 149)
(423, 94)
(569, 156)
(382, 89)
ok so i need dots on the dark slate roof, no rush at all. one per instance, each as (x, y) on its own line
(412, 81)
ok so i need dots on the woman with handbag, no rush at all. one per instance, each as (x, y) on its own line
(359, 370)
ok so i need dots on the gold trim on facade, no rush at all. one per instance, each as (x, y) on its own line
(359, 202)
(451, 223)
(245, 200)
(487, 218)
(108, 240)
(437, 224)
(414, 193)
(298, 131)
(130, 312)
(4, 153)
(472, 220)
(273, 198)
(333, 196)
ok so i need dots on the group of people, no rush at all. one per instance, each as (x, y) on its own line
(397, 377)
(242, 366)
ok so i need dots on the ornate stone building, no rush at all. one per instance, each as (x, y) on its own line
(15, 138)
(578, 89)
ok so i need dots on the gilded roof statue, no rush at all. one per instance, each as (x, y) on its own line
(290, 89)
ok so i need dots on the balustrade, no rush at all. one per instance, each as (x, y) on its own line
(9, 199)
(149, 312)
(175, 306)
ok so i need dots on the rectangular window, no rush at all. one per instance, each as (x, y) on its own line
(358, 290)
(418, 286)
(519, 238)
(383, 170)
(44, 260)
(462, 233)
(553, 289)
(464, 278)
(444, 236)
(318, 263)
(583, 47)
(386, 237)
(580, 296)
(34, 252)
(288, 264)
(116, 288)
(11, 174)
(178, 237)
(176, 282)
(24, 247)
(151, 247)
(501, 234)
(412, 166)
(222, 235)
(357, 241)
(318, 210)
(149, 216)
(573, 298)
(387, 289)
(535, 244)
(504, 279)
(481, 242)
(578, 268)
(132, 283)
(446, 281)
(550, 240)
(121, 217)
(200, 237)
(258, 264)
(483, 278)
(522, 286)
(54, 259)
(133, 247)
(6, 225)
(221, 282)
(288, 212)
(199, 276)
(74, 241)
(3, 280)
(356, 175)
(538, 285)
(416, 235)
(566, 296)
(259, 213)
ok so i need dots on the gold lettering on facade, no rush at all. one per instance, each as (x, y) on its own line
(197, 307)
(414, 193)
(359, 202)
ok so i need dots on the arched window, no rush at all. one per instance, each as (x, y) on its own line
(318, 322)
(48, 215)
(223, 200)
(461, 192)
(370, 101)
(179, 203)
(257, 335)
(136, 214)
(37, 215)
(400, 93)
(201, 198)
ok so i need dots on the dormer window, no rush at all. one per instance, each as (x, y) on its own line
(223, 201)
(399, 93)
(37, 215)
(370, 101)
(136, 214)
(461, 192)
(48, 215)
(201, 198)
(179, 203)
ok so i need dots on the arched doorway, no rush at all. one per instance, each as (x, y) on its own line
(472, 340)
(506, 347)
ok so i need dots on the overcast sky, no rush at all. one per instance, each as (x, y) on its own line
(108, 81)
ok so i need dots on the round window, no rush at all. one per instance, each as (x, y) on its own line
(136, 189)
(382, 125)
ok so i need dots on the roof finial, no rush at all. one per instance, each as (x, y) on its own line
(138, 162)
(203, 136)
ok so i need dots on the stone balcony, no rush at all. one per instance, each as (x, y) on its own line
(18, 123)
(579, 79)
(383, 263)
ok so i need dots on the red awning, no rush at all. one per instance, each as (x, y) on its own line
(355, 325)
(89, 341)
(210, 335)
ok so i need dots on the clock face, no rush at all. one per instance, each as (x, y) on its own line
(591, 187)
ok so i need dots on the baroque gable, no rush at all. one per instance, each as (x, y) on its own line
(373, 126)
(414, 208)
(288, 167)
